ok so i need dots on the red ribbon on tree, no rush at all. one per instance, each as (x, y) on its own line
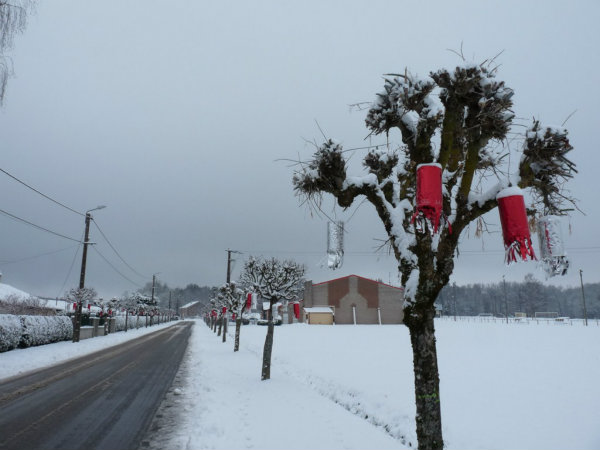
(428, 210)
(515, 228)
(249, 301)
(297, 310)
(74, 306)
(224, 310)
(214, 313)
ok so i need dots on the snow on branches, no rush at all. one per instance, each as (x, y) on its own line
(272, 279)
(230, 296)
(457, 119)
(407, 103)
(545, 167)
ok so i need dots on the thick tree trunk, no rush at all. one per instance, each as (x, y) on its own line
(238, 327)
(266, 366)
(427, 380)
(225, 320)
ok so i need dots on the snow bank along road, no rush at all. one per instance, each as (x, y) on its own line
(105, 400)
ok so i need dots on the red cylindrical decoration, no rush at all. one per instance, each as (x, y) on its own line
(224, 310)
(74, 306)
(233, 316)
(214, 313)
(428, 208)
(249, 301)
(297, 310)
(89, 306)
(515, 228)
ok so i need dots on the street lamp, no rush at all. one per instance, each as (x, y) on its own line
(86, 241)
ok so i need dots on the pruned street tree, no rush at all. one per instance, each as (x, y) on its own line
(273, 280)
(80, 296)
(233, 299)
(459, 121)
(217, 303)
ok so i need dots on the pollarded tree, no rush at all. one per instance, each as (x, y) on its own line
(229, 297)
(217, 304)
(456, 121)
(80, 296)
(233, 298)
(272, 280)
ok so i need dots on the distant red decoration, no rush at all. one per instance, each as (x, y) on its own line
(297, 310)
(249, 301)
(75, 306)
(428, 210)
(233, 316)
(515, 227)
(89, 306)
(213, 313)
(224, 310)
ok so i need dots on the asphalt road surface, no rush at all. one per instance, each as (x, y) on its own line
(103, 401)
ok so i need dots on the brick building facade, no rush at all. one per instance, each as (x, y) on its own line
(355, 299)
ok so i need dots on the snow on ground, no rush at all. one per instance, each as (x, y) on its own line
(503, 386)
(521, 385)
(18, 361)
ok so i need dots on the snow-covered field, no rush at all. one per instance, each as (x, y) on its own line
(502, 386)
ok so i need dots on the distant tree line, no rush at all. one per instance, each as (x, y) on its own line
(529, 296)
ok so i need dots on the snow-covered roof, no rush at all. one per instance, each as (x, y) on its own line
(319, 309)
(7, 290)
(187, 305)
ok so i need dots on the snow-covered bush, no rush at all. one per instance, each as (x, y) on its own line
(39, 330)
(10, 332)
(120, 325)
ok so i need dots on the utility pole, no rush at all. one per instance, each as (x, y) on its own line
(88, 218)
(153, 284)
(229, 252)
(583, 298)
(86, 241)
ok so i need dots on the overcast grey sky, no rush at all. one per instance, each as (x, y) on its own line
(173, 114)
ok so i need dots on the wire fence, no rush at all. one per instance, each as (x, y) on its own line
(557, 321)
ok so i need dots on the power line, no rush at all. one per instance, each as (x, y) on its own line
(42, 194)
(117, 253)
(62, 289)
(114, 268)
(37, 226)
(36, 256)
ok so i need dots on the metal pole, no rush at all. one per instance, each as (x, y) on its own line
(505, 300)
(454, 299)
(583, 298)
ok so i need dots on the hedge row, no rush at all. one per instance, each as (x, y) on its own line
(28, 331)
